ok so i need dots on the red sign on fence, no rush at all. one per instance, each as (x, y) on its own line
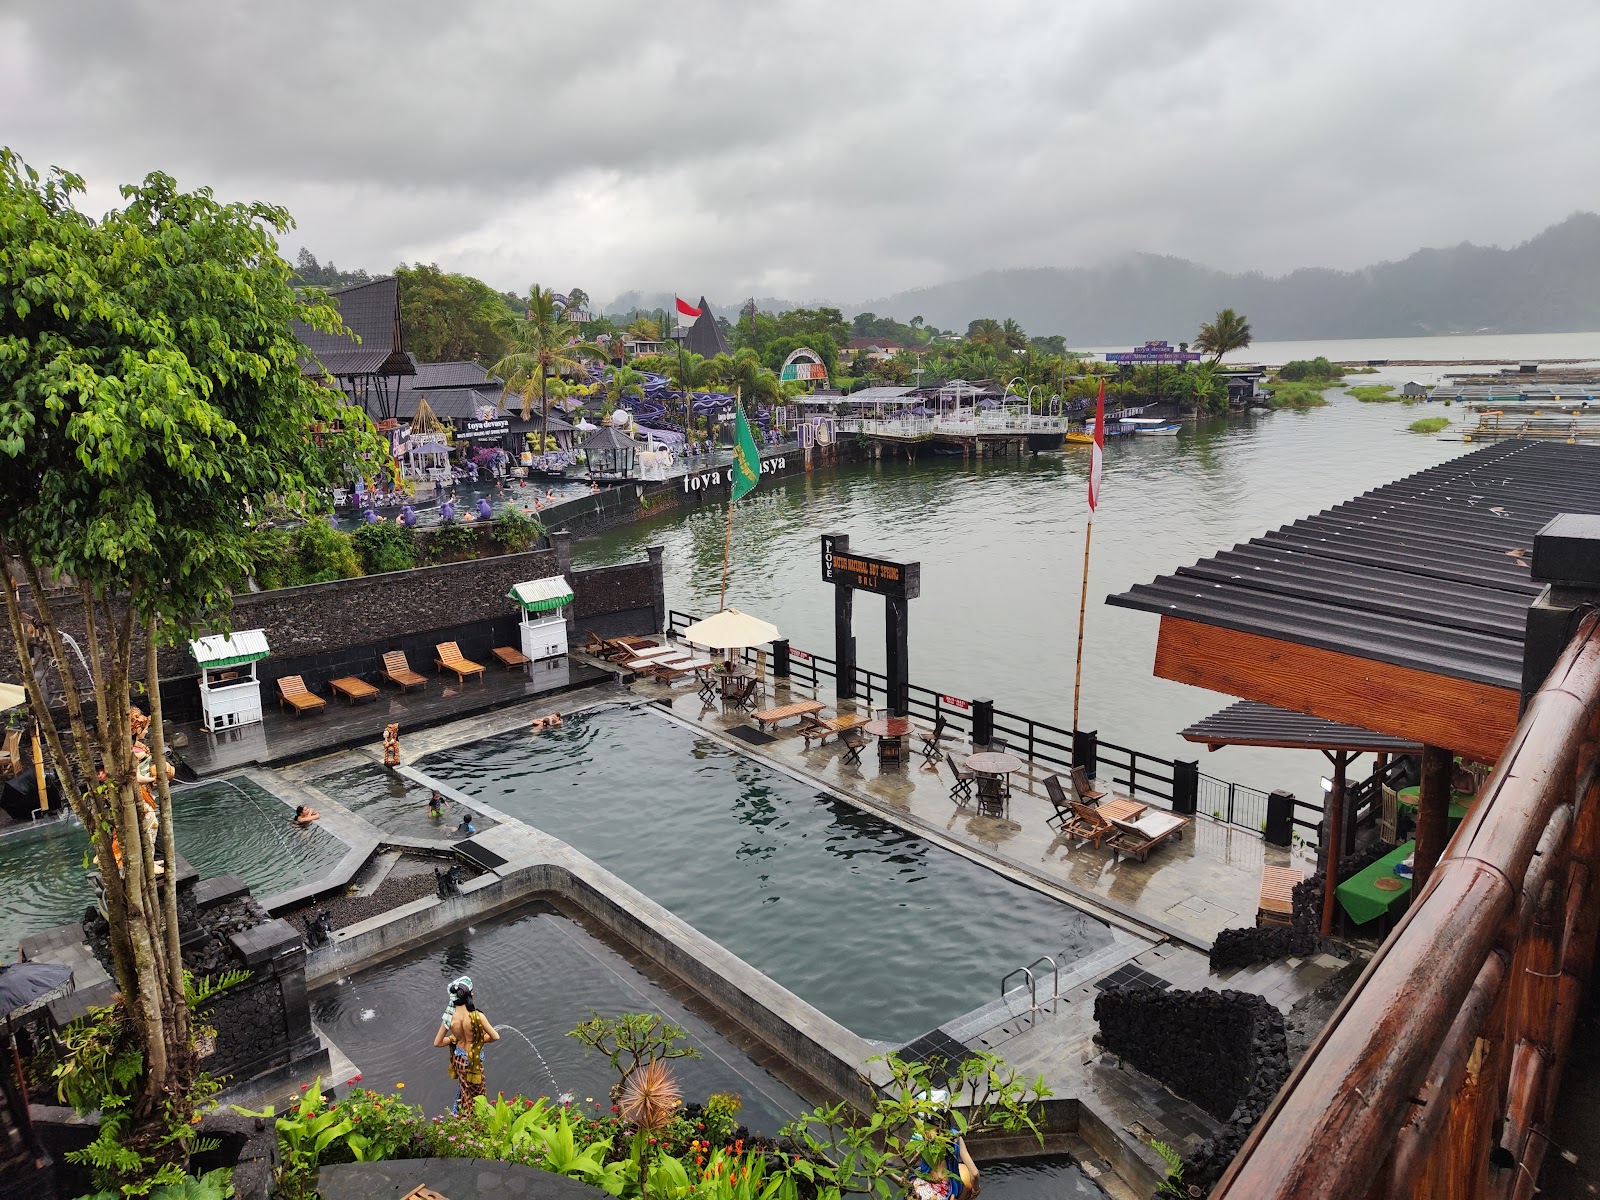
(799, 654)
(953, 702)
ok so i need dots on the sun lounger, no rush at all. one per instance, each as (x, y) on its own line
(1138, 838)
(821, 729)
(510, 656)
(293, 692)
(1276, 904)
(397, 670)
(800, 708)
(1088, 824)
(449, 658)
(353, 689)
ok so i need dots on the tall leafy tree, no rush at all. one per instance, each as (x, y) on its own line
(151, 399)
(544, 347)
(451, 318)
(1228, 332)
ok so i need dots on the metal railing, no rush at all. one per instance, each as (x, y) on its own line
(1234, 803)
(1034, 1004)
(1438, 1075)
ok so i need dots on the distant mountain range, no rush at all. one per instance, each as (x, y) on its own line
(1548, 284)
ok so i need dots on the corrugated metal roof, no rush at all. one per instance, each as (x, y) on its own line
(1429, 572)
(227, 650)
(542, 595)
(370, 311)
(1249, 723)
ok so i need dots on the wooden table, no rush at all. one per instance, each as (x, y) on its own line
(353, 689)
(800, 708)
(991, 767)
(1364, 900)
(890, 732)
(1121, 809)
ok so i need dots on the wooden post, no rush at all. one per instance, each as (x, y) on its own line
(1330, 883)
(1433, 815)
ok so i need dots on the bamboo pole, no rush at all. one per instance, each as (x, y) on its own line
(1083, 608)
(38, 767)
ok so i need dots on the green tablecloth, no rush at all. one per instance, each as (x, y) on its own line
(1364, 901)
(1410, 798)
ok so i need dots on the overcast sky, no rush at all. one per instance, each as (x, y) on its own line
(838, 150)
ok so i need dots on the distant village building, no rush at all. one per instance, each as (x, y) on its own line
(1243, 384)
(876, 349)
(1412, 390)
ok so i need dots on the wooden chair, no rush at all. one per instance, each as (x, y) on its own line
(1088, 824)
(1389, 822)
(741, 693)
(449, 658)
(593, 643)
(1138, 838)
(398, 671)
(292, 691)
(962, 791)
(1086, 792)
(1276, 903)
(930, 741)
(11, 753)
(853, 743)
(1059, 800)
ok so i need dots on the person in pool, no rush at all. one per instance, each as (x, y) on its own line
(553, 721)
(466, 1031)
(303, 816)
(435, 805)
(466, 828)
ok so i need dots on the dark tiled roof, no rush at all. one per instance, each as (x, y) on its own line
(1248, 723)
(1430, 572)
(371, 311)
(704, 337)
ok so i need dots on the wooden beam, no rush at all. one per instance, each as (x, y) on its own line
(1433, 815)
(1468, 718)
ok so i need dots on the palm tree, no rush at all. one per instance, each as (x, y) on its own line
(620, 383)
(754, 381)
(986, 332)
(544, 347)
(1012, 336)
(1229, 332)
(643, 329)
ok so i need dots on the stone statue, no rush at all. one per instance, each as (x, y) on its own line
(391, 745)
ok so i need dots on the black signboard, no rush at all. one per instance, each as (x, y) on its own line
(484, 431)
(881, 576)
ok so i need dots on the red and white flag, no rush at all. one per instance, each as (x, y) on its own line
(686, 311)
(1099, 450)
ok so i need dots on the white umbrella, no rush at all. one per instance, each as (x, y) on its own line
(11, 696)
(584, 425)
(730, 629)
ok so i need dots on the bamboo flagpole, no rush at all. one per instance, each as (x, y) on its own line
(1096, 455)
(743, 474)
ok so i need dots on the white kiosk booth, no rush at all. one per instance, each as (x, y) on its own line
(544, 621)
(230, 696)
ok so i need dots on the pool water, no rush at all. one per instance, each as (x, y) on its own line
(885, 932)
(541, 973)
(1050, 1177)
(393, 803)
(223, 826)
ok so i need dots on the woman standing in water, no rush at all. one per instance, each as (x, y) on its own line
(466, 1031)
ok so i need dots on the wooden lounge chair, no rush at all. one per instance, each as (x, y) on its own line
(1088, 824)
(510, 656)
(1086, 792)
(1138, 838)
(1060, 800)
(930, 741)
(962, 791)
(450, 658)
(800, 708)
(1276, 904)
(397, 670)
(292, 691)
(821, 729)
(353, 689)
(593, 643)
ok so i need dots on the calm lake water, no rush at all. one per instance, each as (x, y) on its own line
(1001, 547)
(1462, 349)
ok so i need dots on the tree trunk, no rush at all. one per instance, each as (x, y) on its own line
(544, 410)
(169, 849)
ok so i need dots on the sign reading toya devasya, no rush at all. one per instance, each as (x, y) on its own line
(883, 576)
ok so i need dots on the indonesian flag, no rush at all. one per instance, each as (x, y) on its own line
(686, 311)
(1099, 449)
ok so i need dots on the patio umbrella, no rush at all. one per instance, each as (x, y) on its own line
(26, 983)
(11, 695)
(730, 629)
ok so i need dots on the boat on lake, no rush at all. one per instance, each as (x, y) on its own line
(1156, 426)
(1079, 438)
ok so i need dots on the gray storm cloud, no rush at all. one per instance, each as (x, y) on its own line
(826, 149)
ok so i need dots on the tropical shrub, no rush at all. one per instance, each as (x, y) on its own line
(515, 531)
(1302, 370)
(385, 546)
(324, 553)
(452, 540)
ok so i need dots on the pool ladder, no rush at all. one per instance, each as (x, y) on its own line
(1034, 1003)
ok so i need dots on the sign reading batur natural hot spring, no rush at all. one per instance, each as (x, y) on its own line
(881, 576)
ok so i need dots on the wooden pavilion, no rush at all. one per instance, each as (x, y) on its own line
(1401, 611)
(368, 360)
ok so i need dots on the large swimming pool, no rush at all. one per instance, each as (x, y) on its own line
(538, 973)
(226, 826)
(885, 932)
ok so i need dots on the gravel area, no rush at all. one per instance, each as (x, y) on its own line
(348, 910)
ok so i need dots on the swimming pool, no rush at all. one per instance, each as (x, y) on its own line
(882, 930)
(393, 803)
(223, 826)
(541, 973)
(1053, 1176)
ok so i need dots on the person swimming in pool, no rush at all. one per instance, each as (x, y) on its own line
(466, 828)
(553, 721)
(303, 816)
(435, 805)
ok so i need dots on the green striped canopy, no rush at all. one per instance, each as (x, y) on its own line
(230, 650)
(542, 595)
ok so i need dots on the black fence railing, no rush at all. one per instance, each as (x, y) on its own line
(1150, 777)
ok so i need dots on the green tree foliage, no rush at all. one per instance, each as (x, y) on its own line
(1228, 332)
(814, 323)
(152, 400)
(781, 347)
(1310, 370)
(308, 272)
(544, 345)
(385, 546)
(870, 325)
(453, 318)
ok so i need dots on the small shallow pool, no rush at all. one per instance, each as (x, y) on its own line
(1050, 1177)
(223, 826)
(393, 803)
(885, 932)
(540, 973)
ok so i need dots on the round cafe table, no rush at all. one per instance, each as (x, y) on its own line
(891, 733)
(991, 767)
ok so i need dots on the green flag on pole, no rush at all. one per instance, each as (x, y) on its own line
(746, 458)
